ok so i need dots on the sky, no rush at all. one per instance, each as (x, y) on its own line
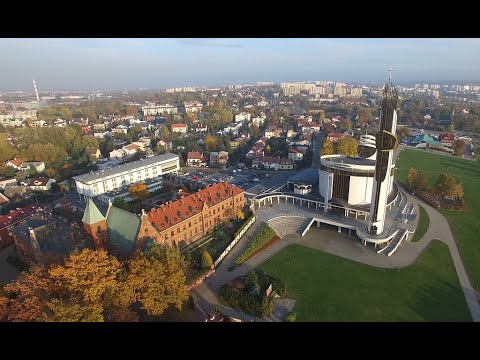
(133, 63)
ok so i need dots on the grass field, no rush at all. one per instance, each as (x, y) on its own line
(423, 224)
(330, 288)
(465, 226)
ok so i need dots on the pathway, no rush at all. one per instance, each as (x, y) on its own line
(344, 246)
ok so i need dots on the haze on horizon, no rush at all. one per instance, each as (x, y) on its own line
(81, 64)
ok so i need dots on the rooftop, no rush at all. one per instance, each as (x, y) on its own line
(125, 167)
(18, 215)
(351, 161)
(307, 176)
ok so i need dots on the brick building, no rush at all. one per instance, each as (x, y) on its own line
(7, 222)
(178, 223)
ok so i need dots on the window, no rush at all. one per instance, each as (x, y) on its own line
(196, 231)
(178, 230)
(214, 211)
(166, 236)
(222, 207)
(184, 227)
(190, 224)
(195, 221)
(172, 233)
(184, 236)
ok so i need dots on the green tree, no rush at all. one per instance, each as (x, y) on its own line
(6, 151)
(156, 279)
(327, 148)
(121, 204)
(450, 128)
(291, 317)
(266, 309)
(9, 171)
(252, 283)
(207, 260)
(33, 170)
(347, 146)
(412, 174)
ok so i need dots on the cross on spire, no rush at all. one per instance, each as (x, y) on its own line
(390, 73)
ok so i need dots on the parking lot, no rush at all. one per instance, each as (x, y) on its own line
(198, 179)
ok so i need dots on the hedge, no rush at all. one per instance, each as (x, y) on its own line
(262, 237)
(239, 230)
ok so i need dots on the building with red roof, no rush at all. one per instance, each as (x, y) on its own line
(10, 220)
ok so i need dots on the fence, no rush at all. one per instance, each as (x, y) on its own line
(234, 242)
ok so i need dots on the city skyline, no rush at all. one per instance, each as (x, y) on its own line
(82, 64)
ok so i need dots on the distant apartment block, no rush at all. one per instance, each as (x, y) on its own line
(181, 128)
(242, 117)
(192, 106)
(159, 109)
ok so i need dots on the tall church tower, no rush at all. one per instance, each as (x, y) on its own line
(95, 225)
(385, 141)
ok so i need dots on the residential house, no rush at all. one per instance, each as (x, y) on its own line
(7, 222)
(15, 163)
(38, 165)
(218, 158)
(242, 117)
(259, 120)
(334, 137)
(272, 163)
(295, 155)
(196, 159)
(4, 182)
(16, 191)
(192, 106)
(181, 128)
(39, 183)
(120, 129)
(93, 153)
(200, 127)
(448, 139)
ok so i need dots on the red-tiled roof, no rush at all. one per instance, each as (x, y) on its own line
(194, 155)
(16, 161)
(336, 135)
(190, 205)
(179, 125)
(18, 215)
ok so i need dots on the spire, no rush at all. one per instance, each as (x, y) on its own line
(92, 215)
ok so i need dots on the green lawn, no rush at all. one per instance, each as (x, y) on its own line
(330, 288)
(423, 224)
(465, 226)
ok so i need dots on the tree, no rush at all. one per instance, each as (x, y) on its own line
(291, 317)
(207, 260)
(9, 171)
(457, 191)
(444, 185)
(346, 125)
(156, 279)
(51, 172)
(459, 147)
(255, 131)
(6, 151)
(268, 149)
(266, 308)
(404, 132)
(210, 143)
(121, 204)
(327, 148)
(240, 215)
(138, 191)
(33, 170)
(421, 181)
(252, 283)
(450, 128)
(347, 146)
(412, 174)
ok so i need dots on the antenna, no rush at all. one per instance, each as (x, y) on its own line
(36, 92)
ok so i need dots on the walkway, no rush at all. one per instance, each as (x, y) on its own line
(346, 247)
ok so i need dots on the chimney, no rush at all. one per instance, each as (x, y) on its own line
(33, 238)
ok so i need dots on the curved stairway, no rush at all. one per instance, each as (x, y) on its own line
(286, 225)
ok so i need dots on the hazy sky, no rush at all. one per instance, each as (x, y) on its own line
(58, 64)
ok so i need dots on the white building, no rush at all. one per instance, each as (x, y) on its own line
(192, 106)
(121, 176)
(295, 155)
(39, 184)
(38, 165)
(242, 117)
(12, 122)
(181, 128)
(59, 123)
(262, 103)
(159, 109)
(259, 120)
(120, 129)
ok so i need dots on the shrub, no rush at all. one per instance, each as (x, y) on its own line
(266, 309)
(279, 286)
(262, 237)
(291, 317)
(207, 260)
(252, 283)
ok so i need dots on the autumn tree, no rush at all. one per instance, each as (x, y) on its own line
(412, 174)
(459, 147)
(207, 260)
(255, 131)
(363, 117)
(327, 148)
(210, 143)
(404, 132)
(268, 149)
(138, 191)
(6, 151)
(457, 191)
(156, 279)
(240, 215)
(421, 181)
(347, 146)
(444, 185)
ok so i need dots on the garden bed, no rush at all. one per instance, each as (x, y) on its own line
(275, 239)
